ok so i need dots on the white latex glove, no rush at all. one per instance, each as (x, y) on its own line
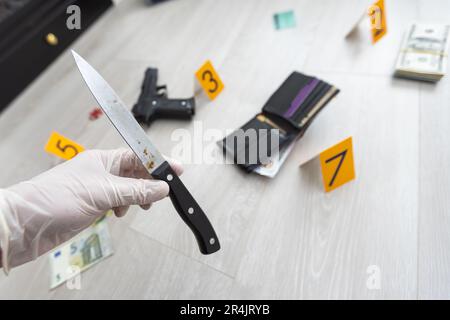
(39, 214)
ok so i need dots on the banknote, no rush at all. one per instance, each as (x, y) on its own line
(424, 52)
(274, 164)
(88, 248)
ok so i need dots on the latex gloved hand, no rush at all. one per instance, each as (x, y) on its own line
(39, 214)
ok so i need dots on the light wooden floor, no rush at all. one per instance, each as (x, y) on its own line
(281, 238)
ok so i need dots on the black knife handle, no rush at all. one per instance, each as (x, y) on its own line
(189, 210)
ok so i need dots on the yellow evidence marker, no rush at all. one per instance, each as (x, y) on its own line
(337, 165)
(209, 80)
(377, 15)
(62, 147)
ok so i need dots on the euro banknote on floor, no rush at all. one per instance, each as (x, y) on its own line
(88, 248)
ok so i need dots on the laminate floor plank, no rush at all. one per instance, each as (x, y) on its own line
(306, 243)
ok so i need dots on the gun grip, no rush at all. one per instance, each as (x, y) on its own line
(174, 108)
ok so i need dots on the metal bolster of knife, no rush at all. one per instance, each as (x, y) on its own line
(188, 209)
(154, 103)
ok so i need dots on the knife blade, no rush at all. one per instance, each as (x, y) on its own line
(133, 134)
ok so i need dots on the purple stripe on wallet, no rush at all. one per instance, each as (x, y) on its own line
(301, 97)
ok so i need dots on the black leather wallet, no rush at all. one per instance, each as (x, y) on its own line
(290, 110)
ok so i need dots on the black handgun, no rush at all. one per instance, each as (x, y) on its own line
(154, 103)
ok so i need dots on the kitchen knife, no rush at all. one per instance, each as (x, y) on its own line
(153, 161)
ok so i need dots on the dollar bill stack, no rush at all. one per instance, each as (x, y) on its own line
(424, 53)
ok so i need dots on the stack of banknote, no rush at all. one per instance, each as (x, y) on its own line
(424, 53)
